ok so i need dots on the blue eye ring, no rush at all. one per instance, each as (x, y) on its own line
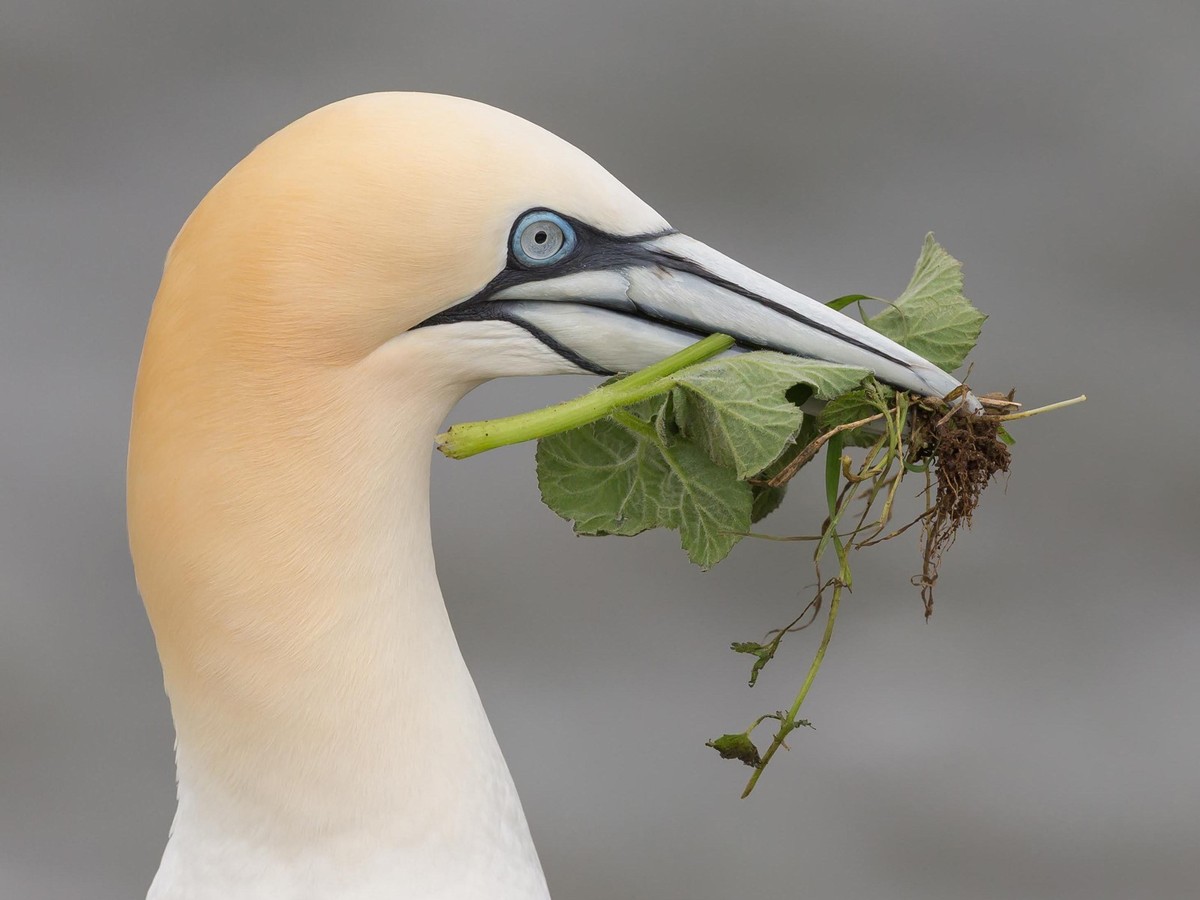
(541, 237)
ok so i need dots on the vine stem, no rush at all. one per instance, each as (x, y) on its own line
(808, 680)
(469, 438)
(833, 465)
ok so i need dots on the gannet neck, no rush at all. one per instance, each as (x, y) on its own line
(331, 742)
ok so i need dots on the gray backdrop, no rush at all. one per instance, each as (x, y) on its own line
(1037, 739)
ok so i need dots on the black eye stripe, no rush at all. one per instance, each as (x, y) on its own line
(594, 249)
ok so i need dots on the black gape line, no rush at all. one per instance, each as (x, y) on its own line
(482, 310)
(598, 250)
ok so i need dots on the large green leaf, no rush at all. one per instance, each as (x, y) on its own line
(932, 317)
(737, 410)
(609, 478)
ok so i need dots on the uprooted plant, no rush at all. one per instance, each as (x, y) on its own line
(706, 444)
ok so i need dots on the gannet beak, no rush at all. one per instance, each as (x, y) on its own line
(614, 304)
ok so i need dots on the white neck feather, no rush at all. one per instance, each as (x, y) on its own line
(332, 743)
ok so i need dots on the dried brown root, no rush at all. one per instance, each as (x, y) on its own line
(965, 454)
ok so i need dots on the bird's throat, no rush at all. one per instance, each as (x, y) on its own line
(326, 721)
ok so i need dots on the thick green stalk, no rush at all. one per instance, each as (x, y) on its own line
(469, 438)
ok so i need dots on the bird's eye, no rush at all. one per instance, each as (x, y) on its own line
(542, 237)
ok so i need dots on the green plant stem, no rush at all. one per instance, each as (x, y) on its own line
(630, 422)
(788, 724)
(469, 438)
(833, 473)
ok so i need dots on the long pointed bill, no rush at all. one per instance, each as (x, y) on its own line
(640, 300)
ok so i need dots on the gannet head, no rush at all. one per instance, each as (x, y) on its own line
(320, 312)
(460, 225)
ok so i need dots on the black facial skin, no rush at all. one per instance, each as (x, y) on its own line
(595, 250)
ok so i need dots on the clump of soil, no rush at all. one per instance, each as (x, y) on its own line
(965, 454)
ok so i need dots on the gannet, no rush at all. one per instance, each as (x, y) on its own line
(319, 314)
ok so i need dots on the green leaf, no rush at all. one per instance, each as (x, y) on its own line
(854, 405)
(736, 408)
(762, 654)
(849, 407)
(736, 746)
(841, 303)
(932, 317)
(807, 434)
(766, 501)
(619, 476)
(713, 506)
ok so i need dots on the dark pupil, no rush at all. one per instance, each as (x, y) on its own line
(540, 237)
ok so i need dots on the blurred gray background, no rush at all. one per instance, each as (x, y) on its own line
(1039, 738)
